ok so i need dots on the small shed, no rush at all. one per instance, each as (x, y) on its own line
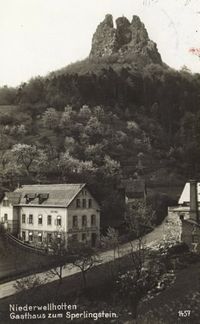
(134, 190)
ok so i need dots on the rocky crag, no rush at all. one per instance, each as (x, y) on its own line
(129, 41)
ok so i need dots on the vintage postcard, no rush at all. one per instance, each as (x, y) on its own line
(100, 161)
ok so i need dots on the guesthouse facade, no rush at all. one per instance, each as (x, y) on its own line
(39, 213)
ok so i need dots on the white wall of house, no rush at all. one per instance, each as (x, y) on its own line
(37, 212)
(9, 216)
(6, 213)
(84, 205)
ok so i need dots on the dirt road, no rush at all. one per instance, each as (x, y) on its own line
(150, 240)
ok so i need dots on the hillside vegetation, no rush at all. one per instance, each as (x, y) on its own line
(103, 119)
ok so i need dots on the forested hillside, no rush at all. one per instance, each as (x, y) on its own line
(101, 120)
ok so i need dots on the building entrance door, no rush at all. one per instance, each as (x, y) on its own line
(23, 236)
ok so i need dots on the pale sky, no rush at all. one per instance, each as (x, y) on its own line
(39, 36)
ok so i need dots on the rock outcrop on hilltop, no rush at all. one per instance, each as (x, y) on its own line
(129, 41)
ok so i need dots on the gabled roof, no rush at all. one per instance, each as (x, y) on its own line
(185, 196)
(136, 185)
(57, 194)
(134, 188)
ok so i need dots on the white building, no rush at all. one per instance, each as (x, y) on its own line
(38, 213)
(183, 221)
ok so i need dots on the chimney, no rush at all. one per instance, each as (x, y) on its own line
(194, 201)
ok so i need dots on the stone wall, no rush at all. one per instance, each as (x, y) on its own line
(173, 227)
(182, 230)
(191, 236)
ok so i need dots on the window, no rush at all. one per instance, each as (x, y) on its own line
(49, 220)
(23, 236)
(40, 237)
(30, 237)
(93, 220)
(83, 237)
(84, 220)
(23, 218)
(84, 203)
(49, 237)
(30, 219)
(42, 197)
(59, 221)
(5, 202)
(29, 197)
(78, 203)
(75, 221)
(74, 237)
(40, 220)
(5, 217)
(90, 203)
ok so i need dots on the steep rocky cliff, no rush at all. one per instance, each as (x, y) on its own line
(128, 41)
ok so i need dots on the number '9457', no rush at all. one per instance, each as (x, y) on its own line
(184, 313)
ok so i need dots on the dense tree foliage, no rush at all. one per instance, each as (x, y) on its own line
(99, 123)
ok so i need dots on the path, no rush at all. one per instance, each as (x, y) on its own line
(151, 239)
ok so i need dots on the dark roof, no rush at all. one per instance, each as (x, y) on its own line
(134, 188)
(137, 185)
(55, 194)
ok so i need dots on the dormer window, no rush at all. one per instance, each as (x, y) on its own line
(29, 197)
(42, 197)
